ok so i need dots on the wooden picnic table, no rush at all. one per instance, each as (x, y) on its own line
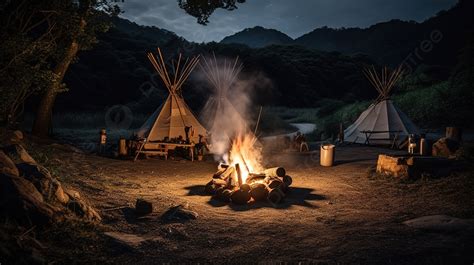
(368, 135)
(161, 148)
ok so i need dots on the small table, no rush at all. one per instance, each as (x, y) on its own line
(368, 134)
(161, 148)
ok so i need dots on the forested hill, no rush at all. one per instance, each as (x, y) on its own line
(258, 37)
(117, 71)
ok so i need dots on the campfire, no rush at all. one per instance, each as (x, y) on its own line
(241, 179)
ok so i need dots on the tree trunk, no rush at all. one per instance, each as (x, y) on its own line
(43, 117)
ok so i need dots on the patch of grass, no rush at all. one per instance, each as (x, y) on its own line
(425, 106)
(328, 126)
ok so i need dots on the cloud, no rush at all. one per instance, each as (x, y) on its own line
(294, 17)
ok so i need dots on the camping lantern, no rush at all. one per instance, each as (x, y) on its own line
(411, 144)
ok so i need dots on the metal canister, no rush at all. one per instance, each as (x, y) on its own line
(122, 147)
(424, 147)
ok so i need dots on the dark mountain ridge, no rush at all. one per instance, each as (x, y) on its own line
(322, 64)
(258, 37)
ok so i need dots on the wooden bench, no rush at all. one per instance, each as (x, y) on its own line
(394, 140)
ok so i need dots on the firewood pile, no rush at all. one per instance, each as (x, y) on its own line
(229, 185)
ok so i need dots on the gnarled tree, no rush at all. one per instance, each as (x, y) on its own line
(78, 23)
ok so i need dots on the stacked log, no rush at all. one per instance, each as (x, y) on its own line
(227, 185)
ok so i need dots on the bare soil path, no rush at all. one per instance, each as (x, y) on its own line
(333, 215)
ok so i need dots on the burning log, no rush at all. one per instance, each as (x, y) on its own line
(240, 196)
(219, 192)
(224, 173)
(275, 172)
(245, 187)
(275, 183)
(275, 196)
(225, 196)
(239, 174)
(287, 180)
(258, 191)
(219, 182)
(211, 188)
(228, 184)
(255, 178)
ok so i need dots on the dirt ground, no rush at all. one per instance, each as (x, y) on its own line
(332, 215)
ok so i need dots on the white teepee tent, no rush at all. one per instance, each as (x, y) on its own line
(221, 75)
(174, 116)
(382, 117)
(224, 121)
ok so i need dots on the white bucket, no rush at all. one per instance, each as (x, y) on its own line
(327, 155)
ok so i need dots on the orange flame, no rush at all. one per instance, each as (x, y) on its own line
(247, 154)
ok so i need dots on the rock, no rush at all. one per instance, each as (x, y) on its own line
(21, 200)
(442, 223)
(16, 136)
(39, 176)
(413, 166)
(445, 147)
(7, 166)
(18, 154)
(394, 166)
(126, 240)
(83, 210)
(143, 207)
(179, 213)
(72, 193)
(59, 193)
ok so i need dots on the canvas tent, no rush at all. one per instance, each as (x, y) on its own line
(174, 116)
(382, 117)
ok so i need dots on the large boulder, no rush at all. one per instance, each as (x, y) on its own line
(445, 147)
(393, 166)
(21, 200)
(7, 166)
(18, 154)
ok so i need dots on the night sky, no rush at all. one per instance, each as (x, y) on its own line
(295, 17)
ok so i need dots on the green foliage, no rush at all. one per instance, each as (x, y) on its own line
(203, 9)
(35, 35)
(425, 105)
(24, 57)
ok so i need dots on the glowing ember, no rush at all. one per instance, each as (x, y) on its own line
(247, 154)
